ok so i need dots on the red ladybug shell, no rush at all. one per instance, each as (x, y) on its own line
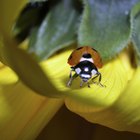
(76, 55)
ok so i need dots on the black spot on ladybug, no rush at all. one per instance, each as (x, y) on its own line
(79, 48)
(86, 55)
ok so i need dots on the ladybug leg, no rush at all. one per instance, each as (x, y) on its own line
(94, 77)
(100, 78)
(81, 84)
(72, 77)
(88, 84)
(70, 80)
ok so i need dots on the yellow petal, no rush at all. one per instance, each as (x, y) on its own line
(128, 105)
(23, 113)
(124, 114)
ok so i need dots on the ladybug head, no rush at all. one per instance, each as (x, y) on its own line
(85, 69)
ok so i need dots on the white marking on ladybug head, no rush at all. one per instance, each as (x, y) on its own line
(93, 72)
(87, 59)
(85, 76)
(78, 70)
(86, 69)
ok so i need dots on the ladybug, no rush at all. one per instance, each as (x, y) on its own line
(85, 61)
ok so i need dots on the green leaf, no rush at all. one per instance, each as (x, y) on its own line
(135, 27)
(105, 25)
(57, 31)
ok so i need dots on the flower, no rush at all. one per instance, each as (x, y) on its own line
(115, 106)
(23, 113)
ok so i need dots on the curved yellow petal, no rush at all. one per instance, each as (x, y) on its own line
(7, 76)
(23, 113)
(124, 114)
(27, 68)
(128, 105)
